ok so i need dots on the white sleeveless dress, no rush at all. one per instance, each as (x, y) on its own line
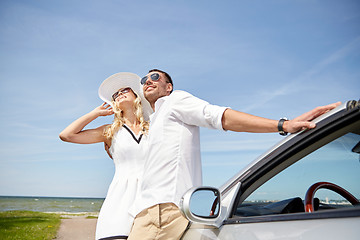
(128, 152)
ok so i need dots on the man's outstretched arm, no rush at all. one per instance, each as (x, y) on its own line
(242, 122)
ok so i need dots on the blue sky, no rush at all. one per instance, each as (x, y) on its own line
(270, 58)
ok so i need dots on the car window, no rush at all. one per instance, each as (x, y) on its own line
(336, 162)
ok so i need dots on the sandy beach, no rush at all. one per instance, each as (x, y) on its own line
(78, 227)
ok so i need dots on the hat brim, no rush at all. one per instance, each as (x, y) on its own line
(122, 80)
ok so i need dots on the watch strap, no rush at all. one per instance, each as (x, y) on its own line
(280, 126)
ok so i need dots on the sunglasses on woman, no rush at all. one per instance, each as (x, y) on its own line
(120, 92)
(153, 77)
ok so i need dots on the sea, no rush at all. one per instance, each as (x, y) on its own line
(51, 204)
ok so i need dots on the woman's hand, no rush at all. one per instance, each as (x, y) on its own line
(103, 110)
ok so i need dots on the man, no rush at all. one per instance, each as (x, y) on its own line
(173, 162)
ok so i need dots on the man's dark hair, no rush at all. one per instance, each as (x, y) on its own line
(166, 75)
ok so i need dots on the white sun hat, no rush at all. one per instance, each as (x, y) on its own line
(123, 80)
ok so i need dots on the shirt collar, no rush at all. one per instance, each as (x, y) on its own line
(158, 104)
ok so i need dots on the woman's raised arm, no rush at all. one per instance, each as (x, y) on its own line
(74, 133)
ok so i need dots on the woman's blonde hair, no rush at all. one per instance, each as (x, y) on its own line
(119, 118)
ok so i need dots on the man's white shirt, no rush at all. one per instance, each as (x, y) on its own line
(173, 163)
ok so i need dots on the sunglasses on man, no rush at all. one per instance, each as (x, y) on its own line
(153, 77)
(120, 92)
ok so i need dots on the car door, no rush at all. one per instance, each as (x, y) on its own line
(272, 200)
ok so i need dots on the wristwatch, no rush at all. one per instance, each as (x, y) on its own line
(280, 126)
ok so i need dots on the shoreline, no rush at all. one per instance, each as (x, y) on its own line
(87, 214)
(50, 204)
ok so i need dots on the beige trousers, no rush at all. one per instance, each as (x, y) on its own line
(160, 222)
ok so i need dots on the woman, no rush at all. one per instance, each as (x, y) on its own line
(124, 141)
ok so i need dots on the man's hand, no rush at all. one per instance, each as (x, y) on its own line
(303, 121)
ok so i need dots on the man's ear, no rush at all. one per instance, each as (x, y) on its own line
(169, 87)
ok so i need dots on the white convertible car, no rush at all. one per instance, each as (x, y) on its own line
(305, 187)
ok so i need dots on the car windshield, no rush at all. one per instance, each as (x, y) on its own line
(337, 162)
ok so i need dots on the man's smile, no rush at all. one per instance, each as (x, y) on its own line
(149, 87)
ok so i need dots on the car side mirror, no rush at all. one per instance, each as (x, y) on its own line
(205, 203)
(202, 205)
